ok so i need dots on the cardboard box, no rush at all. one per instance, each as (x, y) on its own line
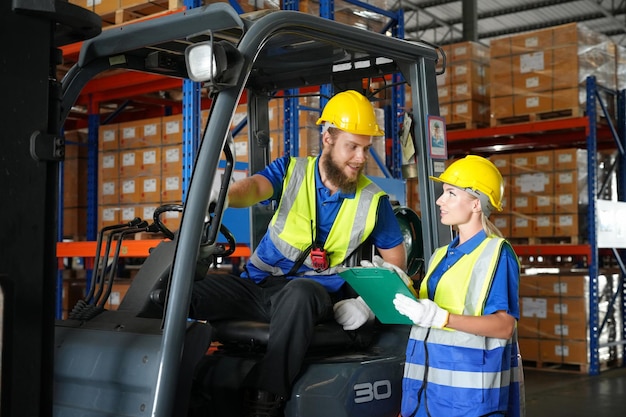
(529, 286)
(468, 50)
(172, 188)
(172, 127)
(150, 189)
(570, 308)
(574, 285)
(108, 216)
(501, 76)
(108, 191)
(128, 213)
(502, 162)
(542, 225)
(75, 221)
(528, 327)
(469, 112)
(502, 222)
(536, 40)
(566, 224)
(108, 137)
(118, 292)
(562, 329)
(529, 349)
(150, 161)
(109, 164)
(129, 163)
(532, 183)
(569, 159)
(172, 160)
(521, 225)
(564, 351)
(142, 133)
(72, 292)
(129, 191)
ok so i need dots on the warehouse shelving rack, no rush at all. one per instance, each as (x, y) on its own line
(125, 84)
(582, 132)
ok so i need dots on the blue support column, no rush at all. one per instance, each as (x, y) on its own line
(291, 123)
(191, 119)
(291, 128)
(327, 9)
(191, 130)
(594, 331)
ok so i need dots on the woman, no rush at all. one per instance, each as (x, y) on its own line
(462, 355)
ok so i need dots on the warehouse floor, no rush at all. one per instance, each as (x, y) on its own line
(574, 394)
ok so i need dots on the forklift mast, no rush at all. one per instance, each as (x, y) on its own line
(254, 57)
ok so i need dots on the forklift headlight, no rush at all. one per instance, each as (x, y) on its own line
(206, 61)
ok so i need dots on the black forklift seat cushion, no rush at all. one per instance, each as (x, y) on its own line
(327, 335)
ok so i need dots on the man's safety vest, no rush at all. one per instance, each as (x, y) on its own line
(458, 374)
(293, 226)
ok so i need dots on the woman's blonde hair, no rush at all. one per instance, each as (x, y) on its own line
(489, 227)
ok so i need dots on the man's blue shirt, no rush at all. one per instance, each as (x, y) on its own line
(386, 233)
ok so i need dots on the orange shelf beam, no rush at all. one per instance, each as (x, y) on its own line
(129, 249)
(548, 250)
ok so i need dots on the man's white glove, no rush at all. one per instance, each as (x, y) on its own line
(423, 312)
(215, 195)
(352, 313)
(379, 262)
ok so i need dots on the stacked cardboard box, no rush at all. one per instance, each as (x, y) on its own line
(463, 88)
(541, 74)
(548, 193)
(132, 181)
(75, 185)
(554, 318)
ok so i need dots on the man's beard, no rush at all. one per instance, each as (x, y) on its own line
(337, 177)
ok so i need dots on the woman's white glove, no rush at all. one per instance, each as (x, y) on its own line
(423, 312)
(352, 313)
(378, 262)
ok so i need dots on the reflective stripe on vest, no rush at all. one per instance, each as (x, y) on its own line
(290, 229)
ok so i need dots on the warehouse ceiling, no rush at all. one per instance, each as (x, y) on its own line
(441, 21)
(438, 22)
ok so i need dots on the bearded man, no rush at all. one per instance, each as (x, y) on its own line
(326, 210)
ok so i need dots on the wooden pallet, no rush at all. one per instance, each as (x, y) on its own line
(535, 117)
(575, 368)
(551, 240)
(465, 125)
(142, 11)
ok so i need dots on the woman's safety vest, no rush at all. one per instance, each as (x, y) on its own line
(293, 226)
(456, 374)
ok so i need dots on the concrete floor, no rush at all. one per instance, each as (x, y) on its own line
(573, 394)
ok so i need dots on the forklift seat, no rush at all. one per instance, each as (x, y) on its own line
(251, 335)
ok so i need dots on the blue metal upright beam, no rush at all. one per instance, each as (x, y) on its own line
(191, 119)
(594, 317)
(291, 125)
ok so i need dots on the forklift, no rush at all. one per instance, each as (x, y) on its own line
(146, 359)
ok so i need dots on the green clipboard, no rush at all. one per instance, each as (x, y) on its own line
(378, 287)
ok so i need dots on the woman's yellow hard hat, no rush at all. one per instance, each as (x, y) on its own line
(477, 174)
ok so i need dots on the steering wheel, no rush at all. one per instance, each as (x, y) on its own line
(220, 249)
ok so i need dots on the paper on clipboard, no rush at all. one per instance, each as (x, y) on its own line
(378, 287)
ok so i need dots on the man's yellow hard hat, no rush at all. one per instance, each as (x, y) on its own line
(351, 112)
